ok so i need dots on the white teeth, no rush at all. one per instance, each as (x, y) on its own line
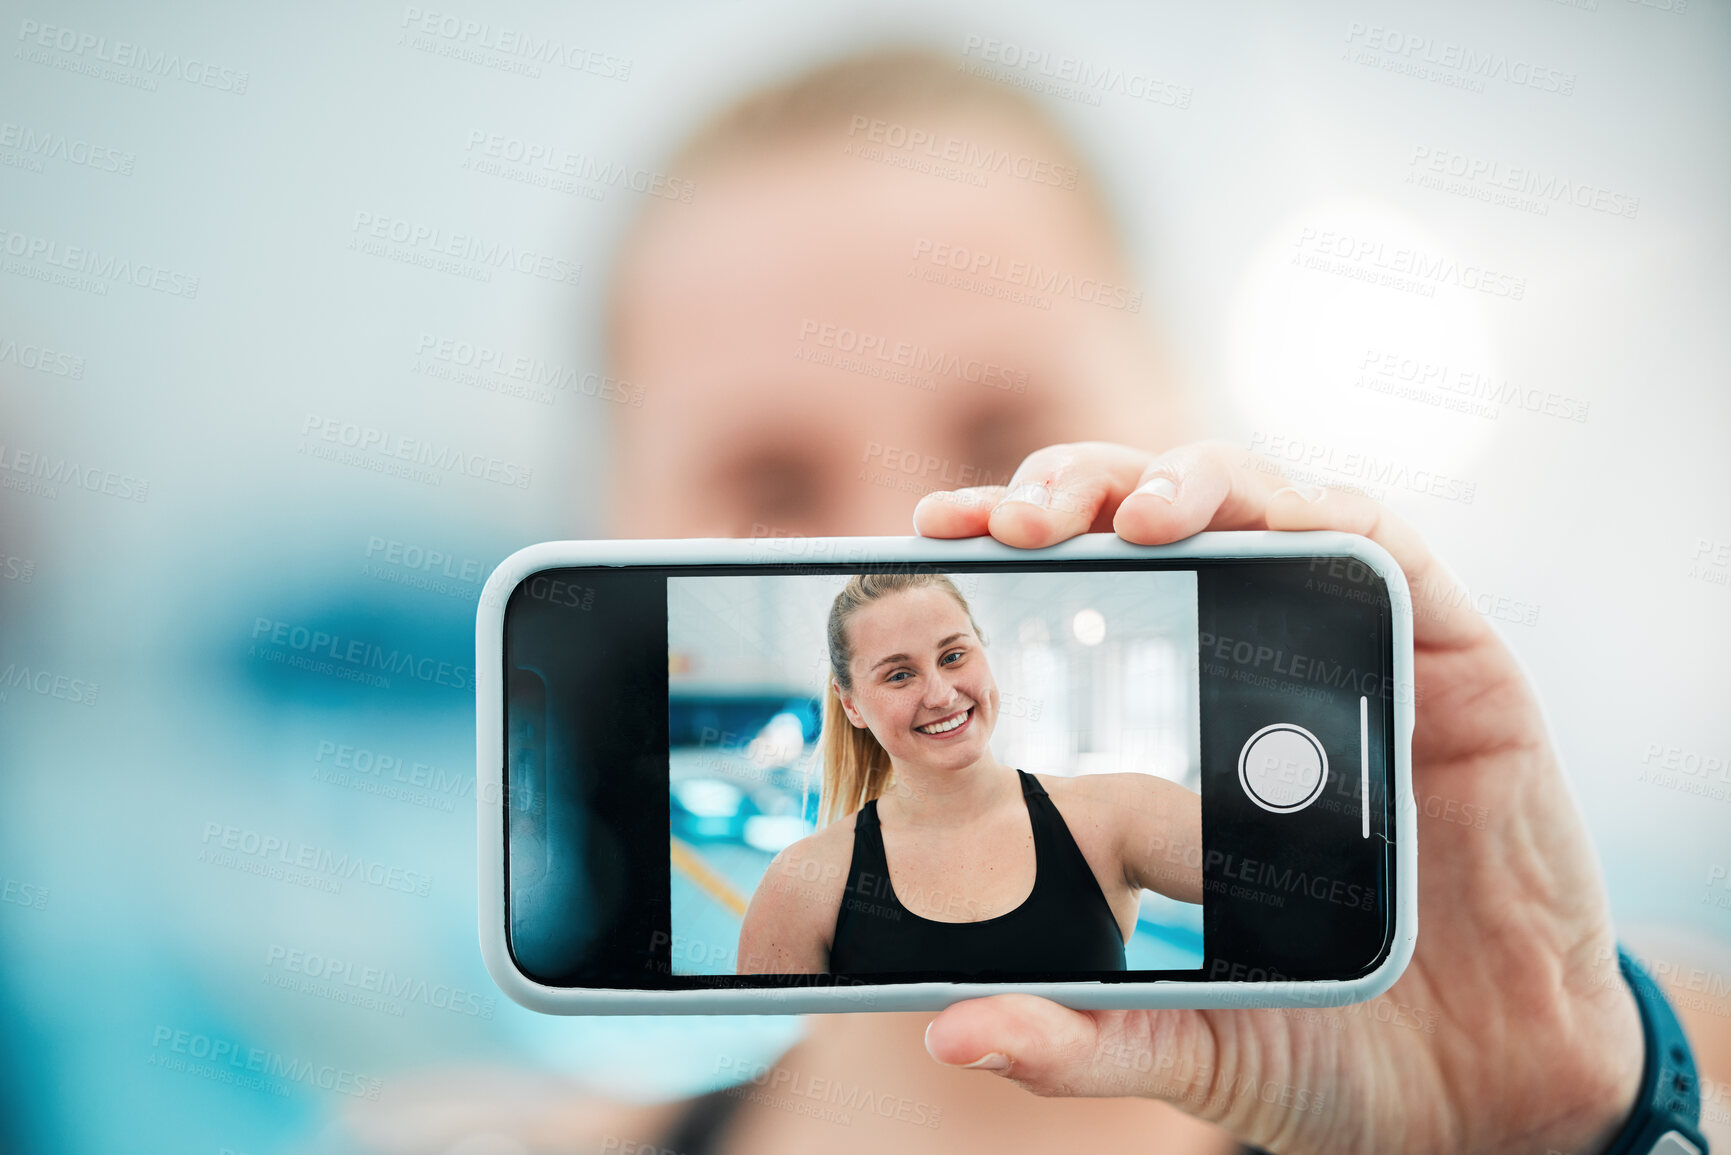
(944, 727)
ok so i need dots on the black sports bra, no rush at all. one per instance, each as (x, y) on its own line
(1064, 925)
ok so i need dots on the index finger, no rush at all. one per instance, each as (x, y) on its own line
(1056, 493)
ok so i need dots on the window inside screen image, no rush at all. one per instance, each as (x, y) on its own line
(1094, 673)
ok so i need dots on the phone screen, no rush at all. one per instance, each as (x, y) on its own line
(1202, 752)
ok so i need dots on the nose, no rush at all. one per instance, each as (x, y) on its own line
(940, 692)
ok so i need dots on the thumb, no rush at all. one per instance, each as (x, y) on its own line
(1053, 1050)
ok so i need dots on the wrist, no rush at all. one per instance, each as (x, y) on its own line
(1666, 1111)
(1625, 1061)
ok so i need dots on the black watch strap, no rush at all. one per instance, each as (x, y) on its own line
(1668, 1108)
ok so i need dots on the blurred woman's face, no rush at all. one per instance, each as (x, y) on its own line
(802, 372)
(921, 682)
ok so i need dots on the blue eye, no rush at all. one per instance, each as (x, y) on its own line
(957, 654)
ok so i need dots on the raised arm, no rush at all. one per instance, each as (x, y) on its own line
(1160, 837)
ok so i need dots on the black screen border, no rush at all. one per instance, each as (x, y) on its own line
(1384, 846)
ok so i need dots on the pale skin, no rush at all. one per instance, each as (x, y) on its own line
(956, 830)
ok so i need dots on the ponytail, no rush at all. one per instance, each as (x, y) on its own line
(856, 767)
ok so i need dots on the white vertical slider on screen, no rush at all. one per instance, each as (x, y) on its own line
(1364, 762)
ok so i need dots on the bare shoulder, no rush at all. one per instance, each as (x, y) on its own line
(790, 921)
(1113, 801)
(1108, 789)
(1087, 807)
(816, 866)
(1140, 827)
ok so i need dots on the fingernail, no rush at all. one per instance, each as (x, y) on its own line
(1032, 493)
(991, 1061)
(1162, 487)
(1310, 493)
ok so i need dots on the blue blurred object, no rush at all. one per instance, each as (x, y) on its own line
(709, 809)
(728, 721)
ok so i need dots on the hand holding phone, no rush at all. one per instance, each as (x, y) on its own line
(1511, 1028)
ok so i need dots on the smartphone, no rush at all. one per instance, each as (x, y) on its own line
(684, 810)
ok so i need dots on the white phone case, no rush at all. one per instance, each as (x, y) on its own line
(924, 996)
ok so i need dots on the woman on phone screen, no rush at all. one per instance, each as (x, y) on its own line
(953, 861)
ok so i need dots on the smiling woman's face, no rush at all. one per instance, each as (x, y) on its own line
(921, 682)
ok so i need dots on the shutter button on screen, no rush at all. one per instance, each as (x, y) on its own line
(1282, 768)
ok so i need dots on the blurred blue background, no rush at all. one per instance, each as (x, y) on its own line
(226, 833)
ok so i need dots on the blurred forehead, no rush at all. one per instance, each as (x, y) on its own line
(776, 232)
(813, 300)
(785, 248)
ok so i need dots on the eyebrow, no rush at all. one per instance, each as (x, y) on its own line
(904, 657)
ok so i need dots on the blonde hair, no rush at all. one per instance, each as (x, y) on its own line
(821, 104)
(856, 767)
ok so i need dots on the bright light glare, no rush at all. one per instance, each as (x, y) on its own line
(779, 742)
(1359, 358)
(773, 833)
(709, 797)
(1089, 627)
